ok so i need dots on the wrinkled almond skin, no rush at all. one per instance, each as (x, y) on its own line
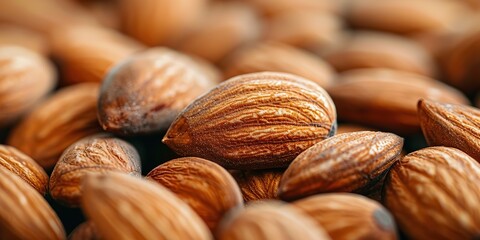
(258, 185)
(85, 231)
(349, 216)
(26, 214)
(433, 194)
(349, 162)
(25, 78)
(254, 121)
(269, 220)
(64, 118)
(205, 186)
(97, 154)
(25, 167)
(125, 207)
(271, 56)
(451, 125)
(145, 93)
(387, 99)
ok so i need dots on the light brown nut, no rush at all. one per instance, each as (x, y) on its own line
(15, 35)
(365, 49)
(349, 162)
(157, 22)
(347, 128)
(433, 194)
(254, 121)
(86, 54)
(85, 231)
(65, 117)
(226, 26)
(25, 78)
(271, 56)
(146, 93)
(258, 185)
(269, 220)
(451, 125)
(96, 154)
(26, 214)
(271, 8)
(25, 167)
(125, 207)
(204, 185)
(387, 99)
(349, 216)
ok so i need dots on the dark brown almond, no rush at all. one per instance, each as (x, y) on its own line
(258, 185)
(85, 231)
(349, 162)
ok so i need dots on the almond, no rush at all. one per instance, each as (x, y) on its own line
(126, 207)
(15, 35)
(258, 185)
(349, 162)
(205, 186)
(347, 128)
(433, 194)
(25, 167)
(85, 231)
(254, 121)
(26, 214)
(145, 93)
(64, 118)
(95, 154)
(349, 216)
(271, 8)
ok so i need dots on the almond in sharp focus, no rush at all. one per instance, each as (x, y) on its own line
(349, 162)
(433, 194)
(25, 167)
(349, 216)
(25, 213)
(387, 99)
(125, 207)
(204, 185)
(65, 117)
(269, 220)
(96, 154)
(259, 184)
(254, 121)
(146, 93)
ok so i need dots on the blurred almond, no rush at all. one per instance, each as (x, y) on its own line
(205, 186)
(85, 231)
(146, 93)
(271, 8)
(348, 128)
(254, 121)
(96, 154)
(259, 184)
(15, 35)
(278, 57)
(349, 162)
(65, 117)
(127, 207)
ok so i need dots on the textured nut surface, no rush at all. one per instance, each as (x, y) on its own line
(26, 214)
(65, 117)
(259, 120)
(258, 185)
(269, 220)
(433, 194)
(85, 231)
(25, 167)
(349, 162)
(349, 216)
(97, 154)
(205, 186)
(127, 207)
(145, 93)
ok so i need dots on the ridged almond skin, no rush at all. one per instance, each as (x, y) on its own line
(271, 56)
(349, 162)
(269, 220)
(349, 216)
(258, 185)
(387, 99)
(204, 185)
(145, 93)
(85, 231)
(25, 78)
(254, 121)
(125, 207)
(26, 214)
(451, 125)
(96, 154)
(64, 118)
(433, 194)
(25, 167)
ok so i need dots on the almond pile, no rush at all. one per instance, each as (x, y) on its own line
(239, 119)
